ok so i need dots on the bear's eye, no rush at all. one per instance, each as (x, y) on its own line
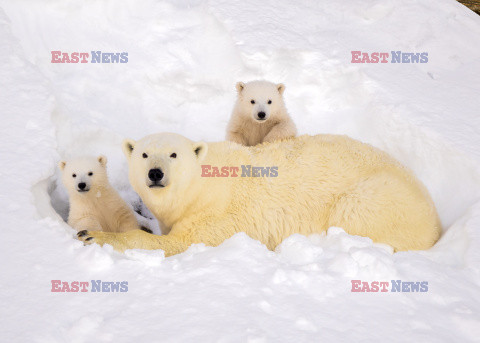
(174, 155)
(269, 102)
(253, 101)
(144, 155)
(74, 175)
(90, 174)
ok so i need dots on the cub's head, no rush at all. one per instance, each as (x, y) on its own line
(163, 164)
(260, 100)
(84, 175)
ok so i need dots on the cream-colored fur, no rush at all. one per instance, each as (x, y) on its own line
(245, 126)
(322, 181)
(100, 208)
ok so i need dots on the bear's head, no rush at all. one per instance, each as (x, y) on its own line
(260, 100)
(84, 175)
(163, 166)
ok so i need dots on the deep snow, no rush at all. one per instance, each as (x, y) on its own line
(184, 59)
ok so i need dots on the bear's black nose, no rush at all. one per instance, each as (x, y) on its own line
(261, 115)
(155, 174)
(82, 185)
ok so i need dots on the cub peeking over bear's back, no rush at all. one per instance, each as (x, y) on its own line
(260, 114)
(94, 204)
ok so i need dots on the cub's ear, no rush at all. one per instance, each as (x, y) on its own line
(62, 165)
(240, 86)
(103, 160)
(200, 149)
(281, 88)
(127, 147)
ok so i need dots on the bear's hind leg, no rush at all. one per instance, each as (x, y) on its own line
(388, 210)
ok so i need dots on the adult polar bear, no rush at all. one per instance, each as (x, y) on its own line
(322, 181)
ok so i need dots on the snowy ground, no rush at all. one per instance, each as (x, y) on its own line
(184, 59)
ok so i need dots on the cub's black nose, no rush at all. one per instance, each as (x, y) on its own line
(82, 185)
(261, 115)
(155, 174)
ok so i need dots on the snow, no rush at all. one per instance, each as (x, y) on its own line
(184, 60)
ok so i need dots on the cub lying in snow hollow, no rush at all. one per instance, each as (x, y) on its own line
(260, 114)
(322, 181)
(94, 204)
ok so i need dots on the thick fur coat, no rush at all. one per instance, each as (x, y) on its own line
(259, 114)
(94, 203)
(321, 181)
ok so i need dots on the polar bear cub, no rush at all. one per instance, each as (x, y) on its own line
(94, 204)
(260, 114)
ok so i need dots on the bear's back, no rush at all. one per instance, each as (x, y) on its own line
(318, 180)
(321, 156)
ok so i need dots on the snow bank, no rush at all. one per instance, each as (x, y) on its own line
(184, 59)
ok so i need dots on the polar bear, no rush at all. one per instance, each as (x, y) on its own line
(94, 204)
(259, 114)
(319, 181)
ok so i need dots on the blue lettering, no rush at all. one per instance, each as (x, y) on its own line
(106, 286)
(96, 285)
(115, 57)
(396, 284)
(124, 57)
(406, 286)
(424, 57)
(96, 56)
(415, 57)
(115, 286)
(265, 171)
(106, 58)
(415, 286)
(246, 170)
(396, 56)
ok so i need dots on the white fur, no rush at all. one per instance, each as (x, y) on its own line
(246, 127)
(100, 208)
(322, 181)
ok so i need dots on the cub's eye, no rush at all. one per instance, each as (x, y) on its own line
(174, 155)
(269, 102)
(90, 174)
(144, 155)
(74, 175)
(253, 101)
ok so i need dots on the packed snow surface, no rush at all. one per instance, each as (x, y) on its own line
(184, 58)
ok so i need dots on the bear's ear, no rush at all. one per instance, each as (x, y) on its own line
(62, 165)
(103, 160)
(281, 88)
(127, 147)
(240, 86)
(200, 149)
